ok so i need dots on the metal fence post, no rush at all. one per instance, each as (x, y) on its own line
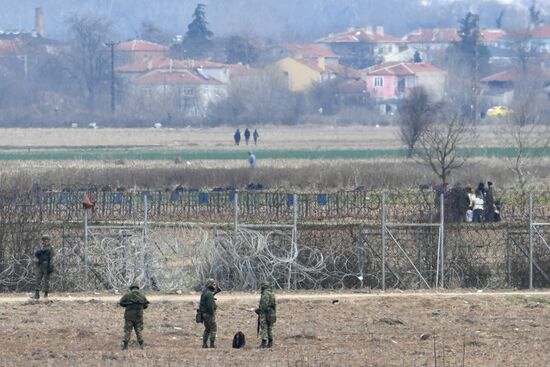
(86, 248)
(145, 271)
(236, 213)
(294, 235)
(361, 257)
(442, 238)
(383, 217)
(530, 240)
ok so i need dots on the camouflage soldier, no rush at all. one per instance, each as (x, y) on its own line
(135, 302)
(44, 267)
(267, 315)
(208, 310)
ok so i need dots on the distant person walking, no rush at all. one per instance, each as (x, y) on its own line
(252, 160)
(237, 137)
(246, 135)
(255, 135)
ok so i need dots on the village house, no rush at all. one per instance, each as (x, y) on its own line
(135, 51)
(302, 74)
(432, 42)
(311, 52)
(498, 89)
(215, 70)
(363, 47)
(185, 93)
(389, 82)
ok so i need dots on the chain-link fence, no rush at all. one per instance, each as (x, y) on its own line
(355, 239)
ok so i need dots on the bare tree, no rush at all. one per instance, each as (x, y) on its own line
(526, 131)
(440, 143)
(89, 59)
(416, 114)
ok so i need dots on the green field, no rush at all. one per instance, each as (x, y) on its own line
(101, 153)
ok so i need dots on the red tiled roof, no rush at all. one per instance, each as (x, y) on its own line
(512, 75)
(359, 35)
(141, 46)
(236, 70)
(402, 68)
(310, 50)
(157, 77)
(541, 32)
(492, 35)
(166, 63)
(310, 64)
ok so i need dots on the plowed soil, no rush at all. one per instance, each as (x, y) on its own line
(325, 329)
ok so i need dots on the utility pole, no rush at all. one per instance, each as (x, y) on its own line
(112, 44)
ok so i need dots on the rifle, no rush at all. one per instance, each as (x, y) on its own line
(258, 327)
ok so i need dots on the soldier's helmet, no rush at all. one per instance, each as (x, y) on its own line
(134, 285)
(211, 282)
(45, 237)
(265, 285)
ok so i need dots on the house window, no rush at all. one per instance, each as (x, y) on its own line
(378, 82)
(189, 92)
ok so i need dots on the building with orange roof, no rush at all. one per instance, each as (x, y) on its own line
(362, 47)
(390, 82)
(302, 74)
(178, 92)
(140, 51)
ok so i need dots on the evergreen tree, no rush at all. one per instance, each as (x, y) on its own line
(417, 58)
(198, 30)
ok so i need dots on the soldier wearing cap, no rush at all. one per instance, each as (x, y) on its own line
(44, 267)
(267, 314)
(135, 302)
(207, 308)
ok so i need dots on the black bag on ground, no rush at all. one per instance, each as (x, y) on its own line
(239, 340)
(198, 316)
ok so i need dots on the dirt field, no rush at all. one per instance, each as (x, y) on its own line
(391, 329)
(271, 137)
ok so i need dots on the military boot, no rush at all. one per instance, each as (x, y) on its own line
(270, 343)
(141, 345)
(46, 294)
(36, 294)
(264, 344)
(212, 344)
(204, 345)
(124, 345)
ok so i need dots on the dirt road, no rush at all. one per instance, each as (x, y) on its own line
(360, 329)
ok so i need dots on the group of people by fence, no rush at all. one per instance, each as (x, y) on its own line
(464, 204)
(237, 136)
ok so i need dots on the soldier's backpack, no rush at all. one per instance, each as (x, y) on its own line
(239, 340)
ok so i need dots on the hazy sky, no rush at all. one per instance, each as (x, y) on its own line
(279, 19)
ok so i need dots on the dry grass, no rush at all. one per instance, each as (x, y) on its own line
(274, 174)
(271, 137)
(356, 331)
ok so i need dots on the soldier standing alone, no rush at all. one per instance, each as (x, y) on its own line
(135, 302)
(44, 267)
(208, 310)
(267, 314)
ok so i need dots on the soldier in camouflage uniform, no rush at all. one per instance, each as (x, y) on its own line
(267, 312)
(208, 310)
(135, 302)
(44, 267)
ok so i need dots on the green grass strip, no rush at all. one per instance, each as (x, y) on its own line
(115, 154)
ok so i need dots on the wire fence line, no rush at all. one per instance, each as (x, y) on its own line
(375, 240)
